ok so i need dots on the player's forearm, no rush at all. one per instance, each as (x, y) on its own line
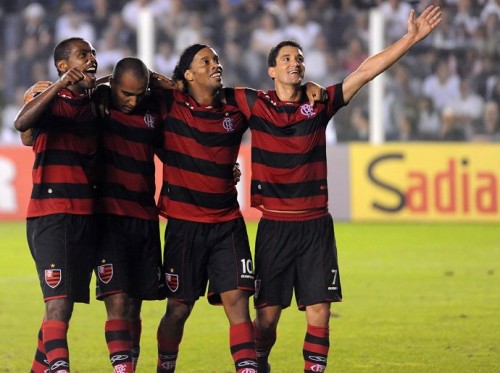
(33, 110)
(380, 62)
(375, 65)
(27, 138)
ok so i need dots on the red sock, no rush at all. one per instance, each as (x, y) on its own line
(316, 346)
(119, 345)
(135, 328)
(263, 345)
(168, 350)
(54, 334)
(40, 362)
(242, 343)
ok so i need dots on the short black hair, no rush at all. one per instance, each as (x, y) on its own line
(184, 63)
(131, 65)
(273, 53)
(63, 49)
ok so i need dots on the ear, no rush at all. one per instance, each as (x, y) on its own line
(188, 75)
(112, 81)
(62, 65)
(272, 72)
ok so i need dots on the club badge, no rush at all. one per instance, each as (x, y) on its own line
(105, 272)
(307, 110)
(172, 282)
(53, 277)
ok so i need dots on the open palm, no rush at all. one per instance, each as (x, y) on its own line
(423, 25)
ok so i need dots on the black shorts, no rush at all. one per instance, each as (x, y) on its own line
(197, 253)
(63, 247)
(296, 255)
(129, 258)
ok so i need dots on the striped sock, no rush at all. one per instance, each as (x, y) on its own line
(242, 343)
(263, 345)
(119, 346)
(40, 362)
(316, 346)
(54, 334)
(168, 350)
(135, 327)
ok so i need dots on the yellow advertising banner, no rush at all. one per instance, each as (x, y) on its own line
(425, 182)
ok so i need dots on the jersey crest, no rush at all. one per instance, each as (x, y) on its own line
(228, 123)
(105, 272)
(172, 282)
(149, 120)
(307, 110)
(53, 277)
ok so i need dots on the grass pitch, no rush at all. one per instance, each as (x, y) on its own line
(417, 298)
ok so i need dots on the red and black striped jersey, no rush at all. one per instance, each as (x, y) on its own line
(289, 170)
(126, 161)
(201, 145)
(65, 144)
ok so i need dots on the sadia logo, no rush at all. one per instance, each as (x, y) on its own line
(453, 186)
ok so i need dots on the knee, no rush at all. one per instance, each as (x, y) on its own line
(178, 312)
(318, 314)
(117, 306)
(267, 319)
(135, 306)
(59, 309)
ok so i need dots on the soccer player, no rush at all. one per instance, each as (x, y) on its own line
(60, 221)
(206, 238)
(129, 249)
(295, 245)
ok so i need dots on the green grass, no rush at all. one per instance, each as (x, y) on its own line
(417, 298)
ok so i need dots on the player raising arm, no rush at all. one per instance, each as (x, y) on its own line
(295, 247)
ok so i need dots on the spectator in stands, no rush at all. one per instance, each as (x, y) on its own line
(467, 109)
(263, 38)
(489, 128)
(395, 13)
(401, 119)
(71, 23)
(428, 121)
(492, 7)
(442, 86)
(165, 58)
(8, 134)
(303, 29)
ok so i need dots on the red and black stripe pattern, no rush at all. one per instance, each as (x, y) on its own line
(288, 148)
(65, 144)
(201, 146)
(127, 168)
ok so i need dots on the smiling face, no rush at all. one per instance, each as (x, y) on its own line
(82, 55)
(289, 67)
(205, 70)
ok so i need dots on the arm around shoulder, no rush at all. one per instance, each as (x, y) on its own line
(36, 105)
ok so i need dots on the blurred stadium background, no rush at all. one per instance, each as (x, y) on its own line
(419, 297)
(439, 106)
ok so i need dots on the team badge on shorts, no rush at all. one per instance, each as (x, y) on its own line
(172, 282)
(53, 277)
(105, 272)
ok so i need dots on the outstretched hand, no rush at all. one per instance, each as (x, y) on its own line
(422, 26)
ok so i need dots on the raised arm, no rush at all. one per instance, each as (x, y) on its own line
(33, 110)
(418, 29)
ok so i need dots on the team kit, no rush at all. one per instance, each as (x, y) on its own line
(93, 207)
